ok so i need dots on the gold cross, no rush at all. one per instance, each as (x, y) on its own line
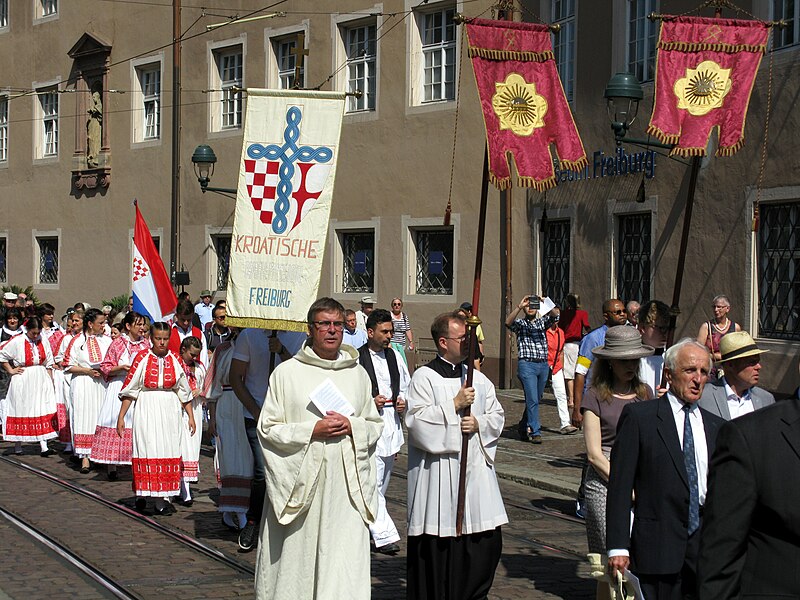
(300, 52)
(511, 39)
(713, 33)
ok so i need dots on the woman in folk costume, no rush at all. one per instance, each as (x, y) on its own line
(226, 423)
(62, 381)
(158, 384)
(190, 349)
(108, 447)
(82, 360)
(51, 331)
(30, 411)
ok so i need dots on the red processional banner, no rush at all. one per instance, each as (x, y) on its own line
(524, 107)
(705, 71)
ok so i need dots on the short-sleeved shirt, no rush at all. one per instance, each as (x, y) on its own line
(400, 325)
(573, 322)
(608, 413)
(252, 347)
(555, 349)
(592, 340)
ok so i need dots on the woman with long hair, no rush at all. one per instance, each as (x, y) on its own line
(158, 384)
(82, 360)
(615, 383)
(30, 406)
(108, 447)
(191, 348)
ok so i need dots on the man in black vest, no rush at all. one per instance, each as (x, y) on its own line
(389, 376)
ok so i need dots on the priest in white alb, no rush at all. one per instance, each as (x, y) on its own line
(441, 565)
(318, 430)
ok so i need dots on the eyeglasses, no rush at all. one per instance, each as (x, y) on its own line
(458, 339)
(337, 325)
(617, 312)
(397, 304)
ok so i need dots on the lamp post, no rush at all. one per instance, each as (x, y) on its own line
(623, 94)
(204, 160)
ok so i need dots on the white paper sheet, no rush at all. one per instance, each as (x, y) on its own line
(546, 306)
(633, 585)
(327, 397)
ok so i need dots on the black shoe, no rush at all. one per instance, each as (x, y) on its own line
(112, 475)
(248, 536)
(390, 549)
(141, 503)
(46, 453)
(535, 439)
(186, 503)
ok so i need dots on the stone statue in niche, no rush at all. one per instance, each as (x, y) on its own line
(94, 129)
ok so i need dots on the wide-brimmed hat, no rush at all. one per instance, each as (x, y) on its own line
(737, 344)
(623, 343)
(9, 296)
(367, 300)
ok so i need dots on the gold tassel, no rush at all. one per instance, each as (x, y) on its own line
(501, 184)
(664, 138)
(492, 54)
(730, 150)
(257, 323)
(704, 46)
(574, 165)
(447, 212)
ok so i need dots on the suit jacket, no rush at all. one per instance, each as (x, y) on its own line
(751, 532)
(647, 458)
(715, 401)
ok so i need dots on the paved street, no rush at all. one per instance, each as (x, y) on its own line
(543, 553)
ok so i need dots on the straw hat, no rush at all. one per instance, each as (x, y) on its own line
(623, 343)
(737, 344)
(367, 300)
(9, 296)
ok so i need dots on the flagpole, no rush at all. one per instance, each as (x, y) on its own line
(176, 138)
(472, 324)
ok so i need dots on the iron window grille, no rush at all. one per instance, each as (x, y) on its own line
(633, 257)
(48, 260)
(434, 248)
(49, 7)
(779, 271)
(439, 55)
(642, 37)
(789, 11)
(286, 64)
(358, 268)
(564, 44)
(151, 92)
(3, 260)
(361, 54)
(230, 74)
(555, 260)
(222, 248)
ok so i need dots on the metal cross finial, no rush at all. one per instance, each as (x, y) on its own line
(300, 52)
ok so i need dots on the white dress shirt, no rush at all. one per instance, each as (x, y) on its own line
(738, 406)
(392, 439)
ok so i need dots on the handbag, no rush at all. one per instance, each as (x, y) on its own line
(617, 588)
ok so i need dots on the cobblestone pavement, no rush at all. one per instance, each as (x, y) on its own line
(543, 553)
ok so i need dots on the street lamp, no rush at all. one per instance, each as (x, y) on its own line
(622, 95)
(203, 160)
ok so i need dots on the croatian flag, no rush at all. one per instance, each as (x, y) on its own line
(153, 295)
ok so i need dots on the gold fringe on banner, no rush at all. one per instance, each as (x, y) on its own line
(687, 152)
(255, 322)
(574, 165)
(704, 46)
(539, 186)
(664, 138)
(511, 55)
(730, 150)
(501, 184)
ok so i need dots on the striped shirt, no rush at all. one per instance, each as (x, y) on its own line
(401, 325)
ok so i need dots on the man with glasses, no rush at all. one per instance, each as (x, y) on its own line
(441, 564)
(653, 322)
(318, 430)
(257, 352)
(219, 331)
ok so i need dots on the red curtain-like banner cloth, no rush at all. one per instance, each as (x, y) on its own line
(524, 107)
(705, 71)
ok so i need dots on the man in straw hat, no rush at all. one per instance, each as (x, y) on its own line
(736, 393)
(661, 453)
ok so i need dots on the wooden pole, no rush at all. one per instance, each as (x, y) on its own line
(176, 141)
(472, 324)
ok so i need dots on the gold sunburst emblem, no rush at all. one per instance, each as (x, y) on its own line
(704, 88)
(518, 106)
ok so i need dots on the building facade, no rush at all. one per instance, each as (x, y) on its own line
(86, 108)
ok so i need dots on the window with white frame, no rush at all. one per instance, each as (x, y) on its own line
(789, 11)
(222, 251)
(642, 38)
(230, 65)
(3, 128)
(150, 82)
(3, 260)
(778, 251)
(48, 259)
(438, 36)
(286, 56)
(360, 48)
(563, 12)
(48, 103)
(358, 261)
(49, 7)
(433, 247)
(3, 13)
(633, 253)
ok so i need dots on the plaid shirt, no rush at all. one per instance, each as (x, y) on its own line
(532, 337)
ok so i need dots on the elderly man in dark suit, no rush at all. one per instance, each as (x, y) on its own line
(736, 393)
(751, 533)
(661, 456)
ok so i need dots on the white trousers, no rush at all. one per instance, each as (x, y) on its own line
(383, 530)
(560, 392)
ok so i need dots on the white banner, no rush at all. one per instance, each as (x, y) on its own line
(289, 153)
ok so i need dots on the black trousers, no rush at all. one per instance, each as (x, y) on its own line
(677, 586)
(453, 568)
